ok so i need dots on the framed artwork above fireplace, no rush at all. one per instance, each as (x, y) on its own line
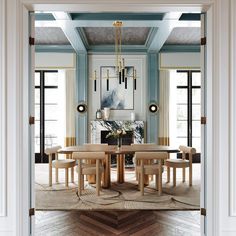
(113, 94)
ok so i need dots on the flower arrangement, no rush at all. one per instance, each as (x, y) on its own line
(117, 133)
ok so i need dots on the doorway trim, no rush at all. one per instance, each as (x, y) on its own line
(19, 77)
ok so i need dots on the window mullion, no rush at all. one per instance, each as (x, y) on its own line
(42, 115)
(190, 108)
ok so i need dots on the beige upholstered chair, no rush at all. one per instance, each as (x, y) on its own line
(91, 178)
(154, 168)
(59, 164)
(85, 168)
(181, 163)
(134, 159)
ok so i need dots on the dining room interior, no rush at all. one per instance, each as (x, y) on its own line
(118, 112)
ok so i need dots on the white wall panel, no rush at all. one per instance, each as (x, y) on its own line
(2, 112)
(233, 111)
(54, 60)
(225, 161)
(179, 60)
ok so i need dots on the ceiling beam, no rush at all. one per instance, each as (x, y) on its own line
(64, 21)
(110, 49)
(113, 16)
(54, 48)
(180, 48)
(130, 23)
(163, 32)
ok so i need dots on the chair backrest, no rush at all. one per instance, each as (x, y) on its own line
(189, 150)
(88, 155)
(151, 155)
(51, 150)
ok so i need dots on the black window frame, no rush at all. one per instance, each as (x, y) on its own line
(189, 88)
(41, 157)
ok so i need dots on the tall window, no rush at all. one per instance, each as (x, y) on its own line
(46, 112)
(188, 104)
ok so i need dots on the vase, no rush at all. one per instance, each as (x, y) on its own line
(119, 142)
(106, 113)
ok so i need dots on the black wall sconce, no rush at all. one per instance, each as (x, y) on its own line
(82, 108)
(153, 107)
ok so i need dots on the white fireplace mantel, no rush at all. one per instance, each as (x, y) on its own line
(101, 125)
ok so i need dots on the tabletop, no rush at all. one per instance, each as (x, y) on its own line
(112, 149)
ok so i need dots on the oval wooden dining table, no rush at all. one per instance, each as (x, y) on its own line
(120, 154)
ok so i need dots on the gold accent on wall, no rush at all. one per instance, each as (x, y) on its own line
(69, 141)
(164, 141)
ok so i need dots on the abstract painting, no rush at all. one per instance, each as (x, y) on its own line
(113, 94)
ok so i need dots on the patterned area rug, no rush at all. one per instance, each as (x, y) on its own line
(124, 196)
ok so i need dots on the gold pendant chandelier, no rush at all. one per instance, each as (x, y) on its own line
(121, 71)
(120, 68)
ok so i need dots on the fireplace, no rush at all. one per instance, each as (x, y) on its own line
(127, 139)
(135, 127)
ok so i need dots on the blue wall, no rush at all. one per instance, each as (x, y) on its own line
(152, 96)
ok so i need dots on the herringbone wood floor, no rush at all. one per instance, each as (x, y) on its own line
(136, 223)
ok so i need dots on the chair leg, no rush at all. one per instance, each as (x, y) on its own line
(183, 174)
(142, 177)
(50, 175)
(190, 175)
(72, 174)
(66, 177)
(156, 182)
(79, 183)
(101, 176)
(56, 175)
(136, 174)
(168, 174)
(174, 176)
(141, 184)
(82, 182)
(98, 184)
(97, 178)
(160, 179)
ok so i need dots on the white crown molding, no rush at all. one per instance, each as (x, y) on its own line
(118, 5)
(3, 179)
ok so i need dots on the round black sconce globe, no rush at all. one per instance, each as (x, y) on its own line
(153, 108)
(81, 108)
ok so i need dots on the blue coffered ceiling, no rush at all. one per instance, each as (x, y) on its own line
(87, 32)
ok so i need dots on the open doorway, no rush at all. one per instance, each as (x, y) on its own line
(189, 139)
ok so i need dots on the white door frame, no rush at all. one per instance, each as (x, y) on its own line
(20, 78)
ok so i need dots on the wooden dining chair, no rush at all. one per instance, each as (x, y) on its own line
(92, 178)
(85, 168)
(134, 159)
(154, 168)
(59, 164)
(181, 163)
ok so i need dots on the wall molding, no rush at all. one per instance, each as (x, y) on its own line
(232, 86)
(3, 178)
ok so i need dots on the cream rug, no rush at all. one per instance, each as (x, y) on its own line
(124, 196)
